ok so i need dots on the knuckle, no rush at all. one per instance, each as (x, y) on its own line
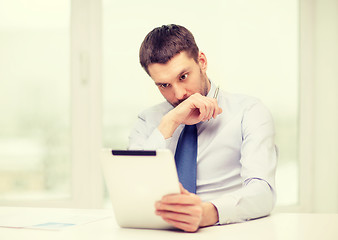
(192, 228)
(195, 95)
(197, 211)
(196, 198)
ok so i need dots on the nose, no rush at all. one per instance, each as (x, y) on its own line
(180, 92)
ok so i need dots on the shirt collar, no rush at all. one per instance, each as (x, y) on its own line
(212, 90)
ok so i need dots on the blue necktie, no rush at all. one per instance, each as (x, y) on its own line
(185, 157)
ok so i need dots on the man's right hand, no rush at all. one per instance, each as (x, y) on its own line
(193, 110)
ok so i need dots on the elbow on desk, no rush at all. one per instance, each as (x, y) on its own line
(257, 205)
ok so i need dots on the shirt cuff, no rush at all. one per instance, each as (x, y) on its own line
(256, 199)
(226, 208)
(156, 141)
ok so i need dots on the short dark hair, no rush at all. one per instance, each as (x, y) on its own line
(163, 43)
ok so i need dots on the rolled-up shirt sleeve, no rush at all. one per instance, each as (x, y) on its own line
(257, 196)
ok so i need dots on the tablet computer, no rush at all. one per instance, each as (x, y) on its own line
(135, 180)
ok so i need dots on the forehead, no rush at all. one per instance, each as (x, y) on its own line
(170, 70)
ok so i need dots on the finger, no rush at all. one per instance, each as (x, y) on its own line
(205, 107)
(212, 107)
(216, 109)
(184, 199)
(201, 106)
(220, 110)
(209, 109)
(192, 210)
(177, 216)
(182, 225)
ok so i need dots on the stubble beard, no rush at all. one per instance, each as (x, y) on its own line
(203, 89)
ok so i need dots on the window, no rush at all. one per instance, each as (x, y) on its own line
(50, 136)
(35, 133)
(50, 84)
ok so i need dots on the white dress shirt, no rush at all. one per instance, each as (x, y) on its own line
(236, 158)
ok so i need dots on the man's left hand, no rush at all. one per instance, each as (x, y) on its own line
(186, 211)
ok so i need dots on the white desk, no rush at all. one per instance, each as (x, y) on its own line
(282, 226)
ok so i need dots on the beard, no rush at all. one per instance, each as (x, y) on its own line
(203, 90)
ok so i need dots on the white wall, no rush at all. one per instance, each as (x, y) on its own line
(319, 105)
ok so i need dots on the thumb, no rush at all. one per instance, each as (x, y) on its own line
(183, 190)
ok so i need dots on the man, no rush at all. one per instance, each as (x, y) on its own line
(236, 156)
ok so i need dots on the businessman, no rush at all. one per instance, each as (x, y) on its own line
(227, 165)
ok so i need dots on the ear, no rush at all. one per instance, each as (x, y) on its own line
(202, 60)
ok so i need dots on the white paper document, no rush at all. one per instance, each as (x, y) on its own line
(48, 220)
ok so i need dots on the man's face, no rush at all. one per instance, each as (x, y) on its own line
(180, 77)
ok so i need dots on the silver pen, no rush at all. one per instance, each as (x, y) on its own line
(216, 93)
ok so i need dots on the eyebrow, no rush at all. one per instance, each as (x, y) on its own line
(177, 76)
(183, 71)
(158, 83)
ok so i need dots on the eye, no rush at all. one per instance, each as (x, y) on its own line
(164, 85)
(184, 76)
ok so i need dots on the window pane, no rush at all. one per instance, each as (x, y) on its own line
(35, 99)
(252, 48)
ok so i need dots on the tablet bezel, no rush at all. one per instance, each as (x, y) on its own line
(135, 180)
